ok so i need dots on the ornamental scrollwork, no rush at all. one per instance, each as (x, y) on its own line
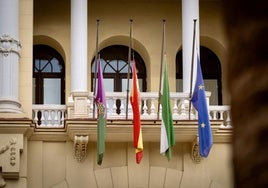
(11, 146)
(9, 45)
(195, 155)
(80, 147)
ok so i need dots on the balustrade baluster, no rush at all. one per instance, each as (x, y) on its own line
(114, 107)
(145, 108)
(228, 119)
(35, 116)
(49, 118)
(122, 109)
(183, 113)
(152, 109)
(175, 110)
(62, 118)
(56, 119)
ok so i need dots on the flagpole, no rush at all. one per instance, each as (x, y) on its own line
(192, 67)
(161, 67)
(129, 60)
(96, 62)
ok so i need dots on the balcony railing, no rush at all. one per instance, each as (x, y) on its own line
(49, 115)
(52, 116)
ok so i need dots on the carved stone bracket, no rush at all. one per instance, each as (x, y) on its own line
(9, 44)
(195, 152)
(10, 147)
(80, 147)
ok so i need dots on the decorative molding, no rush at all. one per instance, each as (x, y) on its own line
(195, 152)
(80, 147)
(12, 147)
(12, 151)
(9, 45)
(81, 105)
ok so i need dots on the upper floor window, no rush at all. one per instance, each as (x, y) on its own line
(211, 70)
(114, 60)
(48, 76)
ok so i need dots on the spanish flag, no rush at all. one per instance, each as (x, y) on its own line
(134, 100)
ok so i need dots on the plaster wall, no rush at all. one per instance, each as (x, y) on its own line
(52, 165)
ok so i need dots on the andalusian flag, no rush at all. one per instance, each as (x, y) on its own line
(167, 132)
(200, 103)
(134, 99)
(101, 107)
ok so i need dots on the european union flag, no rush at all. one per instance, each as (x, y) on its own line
(199, 102)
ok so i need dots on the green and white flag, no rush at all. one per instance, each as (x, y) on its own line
(167, 131)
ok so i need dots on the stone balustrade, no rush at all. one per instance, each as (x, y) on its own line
(52, 116)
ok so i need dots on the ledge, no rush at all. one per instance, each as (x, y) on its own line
(16, 126)
(121, 130)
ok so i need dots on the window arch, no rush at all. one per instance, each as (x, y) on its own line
(114, 61)
(211, 70)
(48, 76)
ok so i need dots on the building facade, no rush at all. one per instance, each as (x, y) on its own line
(48, 125)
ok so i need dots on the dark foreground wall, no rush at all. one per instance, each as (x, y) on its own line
(247, 29)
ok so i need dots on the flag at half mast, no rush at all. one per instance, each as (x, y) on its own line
(134, 99)
(101, 109)
(167, 131)
(200, 103)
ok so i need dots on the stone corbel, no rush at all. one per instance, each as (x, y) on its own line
(11, 145)
(195, 151)
(80, 147)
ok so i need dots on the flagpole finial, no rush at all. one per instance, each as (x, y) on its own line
(131, 20)
(164, 20)
(195, 20)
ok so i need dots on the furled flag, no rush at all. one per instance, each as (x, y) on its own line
(134, 100)
(101, 107)
(199, 102)
(167, 132)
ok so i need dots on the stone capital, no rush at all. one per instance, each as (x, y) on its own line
(9, 45)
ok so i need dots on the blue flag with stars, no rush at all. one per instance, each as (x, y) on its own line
(199, 102)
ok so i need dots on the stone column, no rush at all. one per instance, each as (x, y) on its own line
(9, 56)
(190, 11)
(79, 75)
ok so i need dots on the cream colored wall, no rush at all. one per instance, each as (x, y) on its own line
(52, 165)
(213, 36)
(25, 62)
(53, 20)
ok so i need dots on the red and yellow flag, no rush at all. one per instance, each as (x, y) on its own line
(134, 100)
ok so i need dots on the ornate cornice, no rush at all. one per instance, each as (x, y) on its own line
(9, 45)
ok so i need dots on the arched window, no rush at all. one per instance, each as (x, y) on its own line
(48, 76)
(115, 68)
(211, 70)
